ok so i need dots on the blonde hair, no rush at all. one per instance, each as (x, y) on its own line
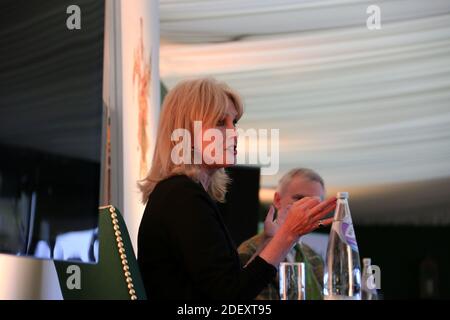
(190, 100)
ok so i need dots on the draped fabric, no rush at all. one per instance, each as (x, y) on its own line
(51, 78)
(368, 109)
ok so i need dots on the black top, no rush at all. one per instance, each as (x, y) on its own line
(186, 252)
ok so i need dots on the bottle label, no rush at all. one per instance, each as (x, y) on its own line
(347, 234)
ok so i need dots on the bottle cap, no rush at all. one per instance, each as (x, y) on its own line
(367, 262)
(342, 195)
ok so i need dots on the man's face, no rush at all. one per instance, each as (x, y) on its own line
(298, 188)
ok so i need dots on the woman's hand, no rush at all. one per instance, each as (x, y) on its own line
(305, 215)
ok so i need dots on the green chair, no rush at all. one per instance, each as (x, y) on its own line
(116, 276)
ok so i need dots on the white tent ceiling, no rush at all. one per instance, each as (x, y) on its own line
(366, 108)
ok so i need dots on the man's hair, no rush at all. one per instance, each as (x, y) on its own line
(299, 172)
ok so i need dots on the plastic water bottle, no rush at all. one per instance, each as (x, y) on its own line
(342, 276)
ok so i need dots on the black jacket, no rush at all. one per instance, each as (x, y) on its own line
(186, 252)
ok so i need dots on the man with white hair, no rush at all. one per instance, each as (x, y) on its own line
(294, 185)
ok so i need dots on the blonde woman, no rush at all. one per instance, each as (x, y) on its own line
(184, 248)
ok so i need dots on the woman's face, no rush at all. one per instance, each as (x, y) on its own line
(221, 153)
